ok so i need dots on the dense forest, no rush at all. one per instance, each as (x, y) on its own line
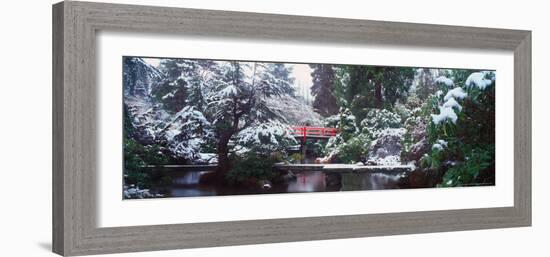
(237, 115)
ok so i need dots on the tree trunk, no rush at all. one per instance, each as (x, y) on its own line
(378, 94)
(223, 156)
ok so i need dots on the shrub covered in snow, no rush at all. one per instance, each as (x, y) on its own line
(415, 141)
(265, 138)
(445, 81)
(481, 80)
(354, 149)
(386, 149)
(187, 132)
(403, 111)
(349, 145)
(461, 131)
(378, 120)
(332, 121)
(347, 128)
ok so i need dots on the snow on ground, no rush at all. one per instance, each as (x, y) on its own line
(390, 160)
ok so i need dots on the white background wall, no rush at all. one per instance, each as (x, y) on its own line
(25, 128)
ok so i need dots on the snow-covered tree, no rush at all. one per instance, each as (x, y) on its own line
(138, 77)
(185, 82)
(378, 120)
(187, 132)
(265, 138)
(347, 128)
(239, 100)
(281, 72)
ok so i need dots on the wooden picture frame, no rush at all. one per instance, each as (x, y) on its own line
(75, 25)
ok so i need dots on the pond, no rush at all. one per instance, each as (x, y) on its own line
(187, 184)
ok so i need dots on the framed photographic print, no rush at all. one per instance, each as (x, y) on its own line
(182, 128)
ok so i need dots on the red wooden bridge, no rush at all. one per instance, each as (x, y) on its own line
(305, 132)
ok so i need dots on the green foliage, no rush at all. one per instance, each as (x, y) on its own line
(467, 172)
(317, 147)
(426, 85)
(361, 88)
(137, 156)
(416, 126)
(458, 76)
(132, 159)
(265, 138)
(413, 102)
(283, 73)
(350, 144)
(331, 121)
(251, 166)
(378, 120)
(347, 125)
(468, 157)
(354, 149)
(297, 157)
(323, 89)
(171, 89)
(347, 128)
(403, 111)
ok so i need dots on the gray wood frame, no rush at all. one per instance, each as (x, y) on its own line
(74, 129)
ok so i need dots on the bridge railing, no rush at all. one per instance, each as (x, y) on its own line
(305, 131)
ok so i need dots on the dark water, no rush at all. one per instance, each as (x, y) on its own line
(186, 184)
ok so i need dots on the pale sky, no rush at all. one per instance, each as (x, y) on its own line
(302, 80)
(152, 61)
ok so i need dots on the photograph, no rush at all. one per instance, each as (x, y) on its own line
(136, 128)
(207, 127)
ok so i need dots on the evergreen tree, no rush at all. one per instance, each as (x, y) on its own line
(138, 76)
(426, 84)
(354, 89)
(238, 101)
(185, 83)
(171, 91)
(392, 84)
(361, 88)
(323, 81)
(276, 74)
(281, 71)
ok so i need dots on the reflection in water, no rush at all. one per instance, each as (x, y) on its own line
(189, 178)
(188, 184)
(307, 182)
(382, 181)
(370, 181)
